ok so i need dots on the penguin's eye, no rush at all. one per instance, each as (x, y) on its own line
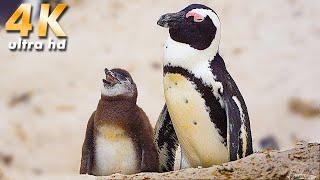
(196, 17)
(121, 76)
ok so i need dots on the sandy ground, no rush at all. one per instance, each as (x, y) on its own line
(302, 162)
(271, 48)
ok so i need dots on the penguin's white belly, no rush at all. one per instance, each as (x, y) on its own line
(114, 152)
(197, 135)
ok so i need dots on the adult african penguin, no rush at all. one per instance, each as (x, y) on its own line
(119, 136)
(205, 112)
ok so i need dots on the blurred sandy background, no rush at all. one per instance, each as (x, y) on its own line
(271, 48)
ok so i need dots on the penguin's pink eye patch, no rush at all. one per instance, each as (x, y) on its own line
(196, 17)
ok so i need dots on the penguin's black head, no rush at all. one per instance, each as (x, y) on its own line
(195, 25)
(118, 83)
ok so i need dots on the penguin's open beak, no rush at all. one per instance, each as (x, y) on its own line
(111, 79)
(171, 20)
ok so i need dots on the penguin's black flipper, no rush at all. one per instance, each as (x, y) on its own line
(239, 140)
(166, 141)
(88, 148)
(239, 133)
(234, 125)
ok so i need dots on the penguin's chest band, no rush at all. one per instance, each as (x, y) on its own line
(211, 103)
(197, 134)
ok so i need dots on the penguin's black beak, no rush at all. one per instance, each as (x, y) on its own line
(111, 79)
(171, 20)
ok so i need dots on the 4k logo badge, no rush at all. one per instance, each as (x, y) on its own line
(24, 13)
(20, 21)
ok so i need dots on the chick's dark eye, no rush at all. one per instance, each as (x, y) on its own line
(121, 76)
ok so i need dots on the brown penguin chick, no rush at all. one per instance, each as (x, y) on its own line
(119, 136)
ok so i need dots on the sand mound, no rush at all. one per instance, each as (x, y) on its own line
(302, 162)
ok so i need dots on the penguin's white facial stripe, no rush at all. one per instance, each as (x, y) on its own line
(207, 12)
(122, 88)
(242, 129)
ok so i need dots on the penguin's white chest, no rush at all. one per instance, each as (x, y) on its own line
(114, 152)
(197, 135)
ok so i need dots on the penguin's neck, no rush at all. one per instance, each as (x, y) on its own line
(181, 54)
(116, 108)
(197, 62)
